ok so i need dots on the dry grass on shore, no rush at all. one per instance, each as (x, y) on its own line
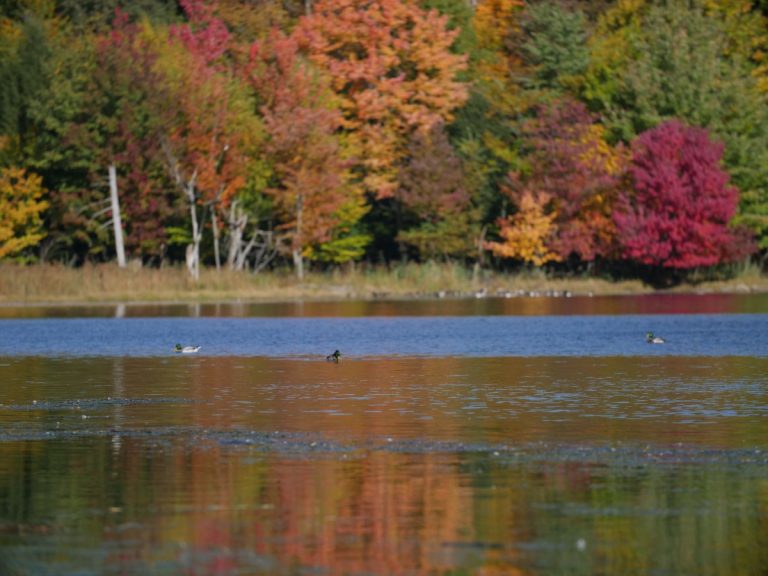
(108, 283)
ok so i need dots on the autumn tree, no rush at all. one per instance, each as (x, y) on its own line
(571, 165)
(436, 215)
(498, 64)
(118, 125)
(312, 188)
(392, 65)
(687, 62)
(485, 132)
(527, 234)
(208, 128)
(676, 214)
(21, 205)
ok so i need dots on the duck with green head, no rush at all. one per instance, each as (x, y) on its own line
(652, 339)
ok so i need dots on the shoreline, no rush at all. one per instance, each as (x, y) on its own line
(106, 284)
(332, 298)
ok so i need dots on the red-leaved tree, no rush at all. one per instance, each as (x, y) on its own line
(677, 213)
(571, 164)
(116, 127)
(207, 127)
(311, 187)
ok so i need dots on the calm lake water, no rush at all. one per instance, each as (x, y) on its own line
(490, 436)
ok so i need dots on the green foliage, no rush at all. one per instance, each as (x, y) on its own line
(25, 73)
(612, 47)
(344, 247)
(452, 236)
(555, 45)
(682, 71)
(89, 13)
(178, 236)
(460, 14)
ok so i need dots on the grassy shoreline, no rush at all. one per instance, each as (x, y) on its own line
(55, 284)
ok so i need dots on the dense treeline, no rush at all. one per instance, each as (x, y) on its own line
(630, 135)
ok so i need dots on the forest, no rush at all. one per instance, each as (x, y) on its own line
(628, 137)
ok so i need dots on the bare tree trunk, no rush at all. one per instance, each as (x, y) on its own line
(215, 226)
(236, 227)
(480, 254)
(193, 259)
(298, 263)
(188, 187)
(267, 250)
(298, 259)
(117, 222)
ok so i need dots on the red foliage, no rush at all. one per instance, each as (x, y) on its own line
(206, 36)
(302, 146)
(432, 182)
(680, 205)
(119, 129)
(573, 166)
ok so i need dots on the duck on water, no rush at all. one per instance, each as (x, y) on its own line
(185, 349)
(653, 339)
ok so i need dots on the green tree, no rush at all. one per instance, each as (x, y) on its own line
(612, 47)
(25, 73)
(555, 45)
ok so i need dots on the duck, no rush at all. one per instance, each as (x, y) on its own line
(333, 357)
(186, 349)
(651, 339)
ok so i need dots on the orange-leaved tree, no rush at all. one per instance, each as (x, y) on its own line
(312, 185)
(20, 209)
(391, 62)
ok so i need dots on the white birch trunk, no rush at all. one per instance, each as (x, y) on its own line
(215, 226)
(235, 235)
(193, 259)
(298, 259)
(117, 222)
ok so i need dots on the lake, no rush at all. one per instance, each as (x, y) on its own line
(479, 436)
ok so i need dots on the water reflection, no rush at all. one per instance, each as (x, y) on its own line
(719, 402)
(749, 303)
(226, 465)
(211, 510)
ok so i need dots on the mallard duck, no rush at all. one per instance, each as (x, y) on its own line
(185, 349)
(333, 357)
(651, 339)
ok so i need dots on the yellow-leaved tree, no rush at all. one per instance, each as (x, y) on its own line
(526, 234)
(20, 210)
